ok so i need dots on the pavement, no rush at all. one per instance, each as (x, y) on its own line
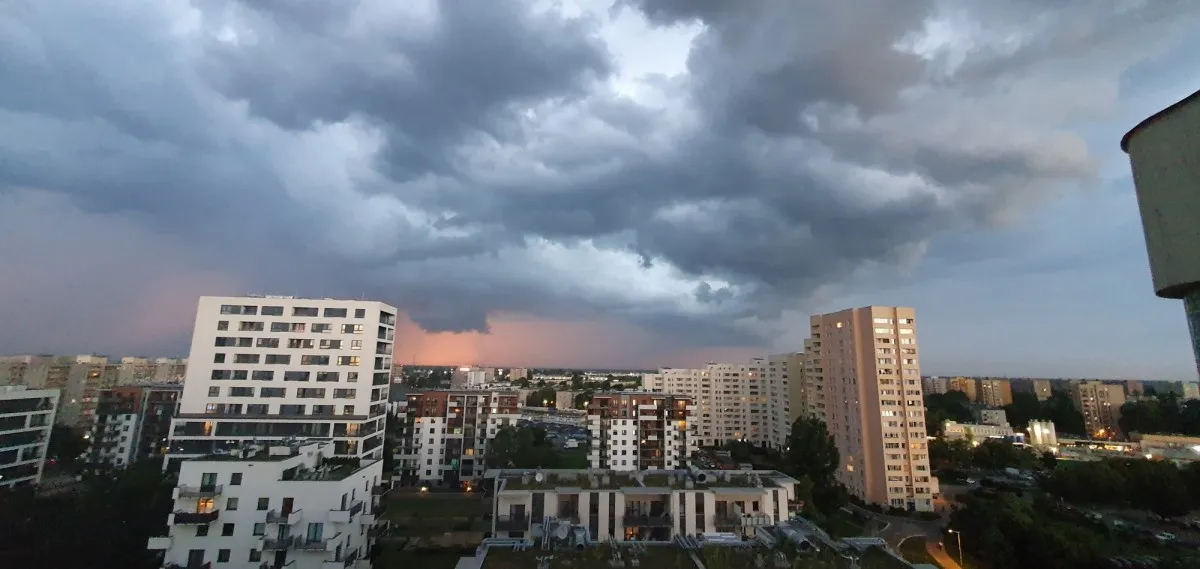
(942, 558)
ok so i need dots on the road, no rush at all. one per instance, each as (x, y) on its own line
(942, 558)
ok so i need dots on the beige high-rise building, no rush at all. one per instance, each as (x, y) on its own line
(1100, 404)
(935, 385)
(966, 385)
(995, 393)
(870, 379)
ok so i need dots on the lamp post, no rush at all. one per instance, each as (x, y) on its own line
(958, 535)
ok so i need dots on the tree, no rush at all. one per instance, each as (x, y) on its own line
(813, 455)
(942, 407)
(1024, 408)
(544, 397)
(576, 381)
(997, 454)
(524, 447)
(66, 446)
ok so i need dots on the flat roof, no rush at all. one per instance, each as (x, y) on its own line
(1157, 117)
(651, 481)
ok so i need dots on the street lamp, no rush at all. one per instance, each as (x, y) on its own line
(958, 535)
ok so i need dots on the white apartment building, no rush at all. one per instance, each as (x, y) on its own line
(646, 506)
(733, 400)
(26, 418)
(445, 434)
(275, 367)
(278, 506)
(863, 365)
(974, 432)
(640, 431)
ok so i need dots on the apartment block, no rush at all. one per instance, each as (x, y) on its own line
(132, 423)
(865, 361)
(935, 385)
(445, 435)
(640, 431)
(278, 506)
(26, 418)
(1041, 388)
(731, 399)
(78, 378)
(1100, 403)
(644, 506)
(281, 367)
(995, 393)
(783, 396)
(968, 386)
(135, 370)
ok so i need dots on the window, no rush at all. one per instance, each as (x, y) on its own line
(343, 393)
(218, 358)
(202, 530)
(246, 359)
(280, 326)
(314, 360)
(277, 359)
(226, 530)
(883, 330)
(322, 328)
(352, 376)
(347, 409)
(231, 504)
(360, 312)
(272, 311)
(297, 327)
(235, 479)
(327, 376)
(263, 503)
(352, 328)
(299, 343)
(295, 375)
(257, 408)
(267, 343)
(241, 392)
(221, 374)
(262, 375)
(223, 325)
(348, 360)
(223, 554)
(222, 341)
(335, 312)
(240, 374)
(355, 344)
(234, 309)
(255, 555)
(250, 326)
(304, 311)
(214, 391)
(272, 392)
(331, 344)
(260, 528)
(310, 393)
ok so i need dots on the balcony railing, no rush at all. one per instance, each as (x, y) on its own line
(202, 491)
(205, 565)
(727, 520)
(316, 544)
(285, 518)
(518, 522)
(275, 544)
(196, 517)
(644, 520)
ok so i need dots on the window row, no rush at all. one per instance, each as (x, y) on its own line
(301, 343)
(267, 392)
(285, 359)
(298, 327)
(260, 409)
(306, 311)
(269, 375)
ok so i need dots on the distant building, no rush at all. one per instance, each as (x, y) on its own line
(131, 423)
(565, 399)
(995, 393)
(1042, 434)
(966, 385)
(446, 434)
(953, 431)
(643, 506)
(1190, 389)
(277, 506)
(877, 420)
(1100, 403)
(641, 431)
(935, 385)
(517, 374)
(1162, 152)
(993, 417)
(26, 419)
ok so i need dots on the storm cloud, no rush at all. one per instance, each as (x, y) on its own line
(696, 168)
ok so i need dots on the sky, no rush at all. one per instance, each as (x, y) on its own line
(607, 183)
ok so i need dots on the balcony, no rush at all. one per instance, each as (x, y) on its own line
(158, 543)
(205, 565)
(328, 544)
(196, 517)
(643, 520)
(344, 516)
(727, 521)
(284, 518)
(203, 491)
(519, 522)
(367, 520)
(570, 514)
(347, 561)
(273, 544)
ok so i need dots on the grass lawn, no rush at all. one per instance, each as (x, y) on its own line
(590, 558)
(433, 514)
(396, 558)
(574, 458)
(913, 550)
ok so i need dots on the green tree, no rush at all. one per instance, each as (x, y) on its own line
(942, 407)
(813, 455)
(576, 381)
(66, 446)
(996, 454)
(949, 454)
(1061, 410)
(544, 397)
(1024, 408)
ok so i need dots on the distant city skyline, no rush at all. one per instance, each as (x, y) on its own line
(594, 182)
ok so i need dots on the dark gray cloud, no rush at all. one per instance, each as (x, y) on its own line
(461, 159)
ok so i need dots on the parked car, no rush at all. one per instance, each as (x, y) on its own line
(1164, 537)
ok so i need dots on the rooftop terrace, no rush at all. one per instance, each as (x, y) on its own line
(516, 480)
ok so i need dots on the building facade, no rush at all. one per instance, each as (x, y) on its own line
(1040, 388)
(935, 385)
(26, 418)
(132, 423)
(445, 434)
(966, 385)
(621, 506)
(866, 361)
(1042, 434)
(1100, 403)
(278, 506)
(995, 393)
(974, 432)
(281, 367)
(640, 431)
(1162, 152)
